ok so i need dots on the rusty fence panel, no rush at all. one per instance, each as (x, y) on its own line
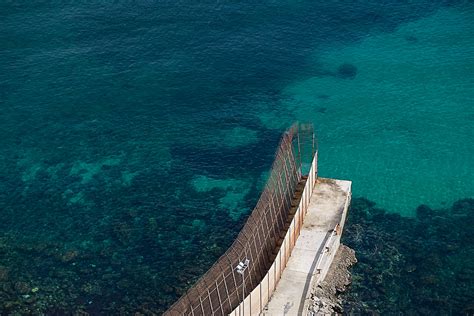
(221, 289)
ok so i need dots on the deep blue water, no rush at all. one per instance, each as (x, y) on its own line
(136, 135)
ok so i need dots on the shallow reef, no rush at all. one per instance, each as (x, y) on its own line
(134, 270)
(416, 266)
(117, 251)
(422, 265)
(108, 234)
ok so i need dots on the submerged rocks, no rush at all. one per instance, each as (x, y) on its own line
(422, 265)
(22, 287)
(3, 273)
(69, 256)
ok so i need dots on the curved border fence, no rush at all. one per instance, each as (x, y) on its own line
(222, 288)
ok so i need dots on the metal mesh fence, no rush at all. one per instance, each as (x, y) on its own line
(222, 288)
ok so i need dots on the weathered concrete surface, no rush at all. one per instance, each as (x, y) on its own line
(327, 208)
(325, 295)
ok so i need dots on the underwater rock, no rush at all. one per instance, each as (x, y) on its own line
(347, 71)
(423, 212)
(29, 299)
(464, 206)
(69, 256)
(22, 287)
(428, 258)
(122, 232)
(10, 304)
(92, 288)
(3, 273)
(411, 39)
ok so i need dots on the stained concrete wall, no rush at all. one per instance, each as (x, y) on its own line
(259, 297)
(314, 250)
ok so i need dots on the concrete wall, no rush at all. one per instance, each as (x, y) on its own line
(259, 297)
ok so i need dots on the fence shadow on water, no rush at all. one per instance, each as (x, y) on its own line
(222, 288)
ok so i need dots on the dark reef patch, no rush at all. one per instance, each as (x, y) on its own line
(411, 39)
(321, 110)
(347, 71)
(125, 270)
(420, 266)
(323, 96)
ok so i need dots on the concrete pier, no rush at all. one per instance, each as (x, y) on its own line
(314, 249)
(288, 241)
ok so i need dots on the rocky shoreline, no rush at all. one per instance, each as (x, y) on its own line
(325, 297)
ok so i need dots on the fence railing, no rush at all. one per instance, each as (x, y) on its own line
(222, 288)
(255, 302)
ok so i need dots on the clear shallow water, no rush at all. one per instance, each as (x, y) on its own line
(401, 127)
(136, 136)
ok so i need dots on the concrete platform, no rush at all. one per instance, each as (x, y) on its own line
(314, 249)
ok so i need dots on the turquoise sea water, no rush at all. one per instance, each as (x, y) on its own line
(136, 135)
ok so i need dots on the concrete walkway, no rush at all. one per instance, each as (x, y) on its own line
(314, 249)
